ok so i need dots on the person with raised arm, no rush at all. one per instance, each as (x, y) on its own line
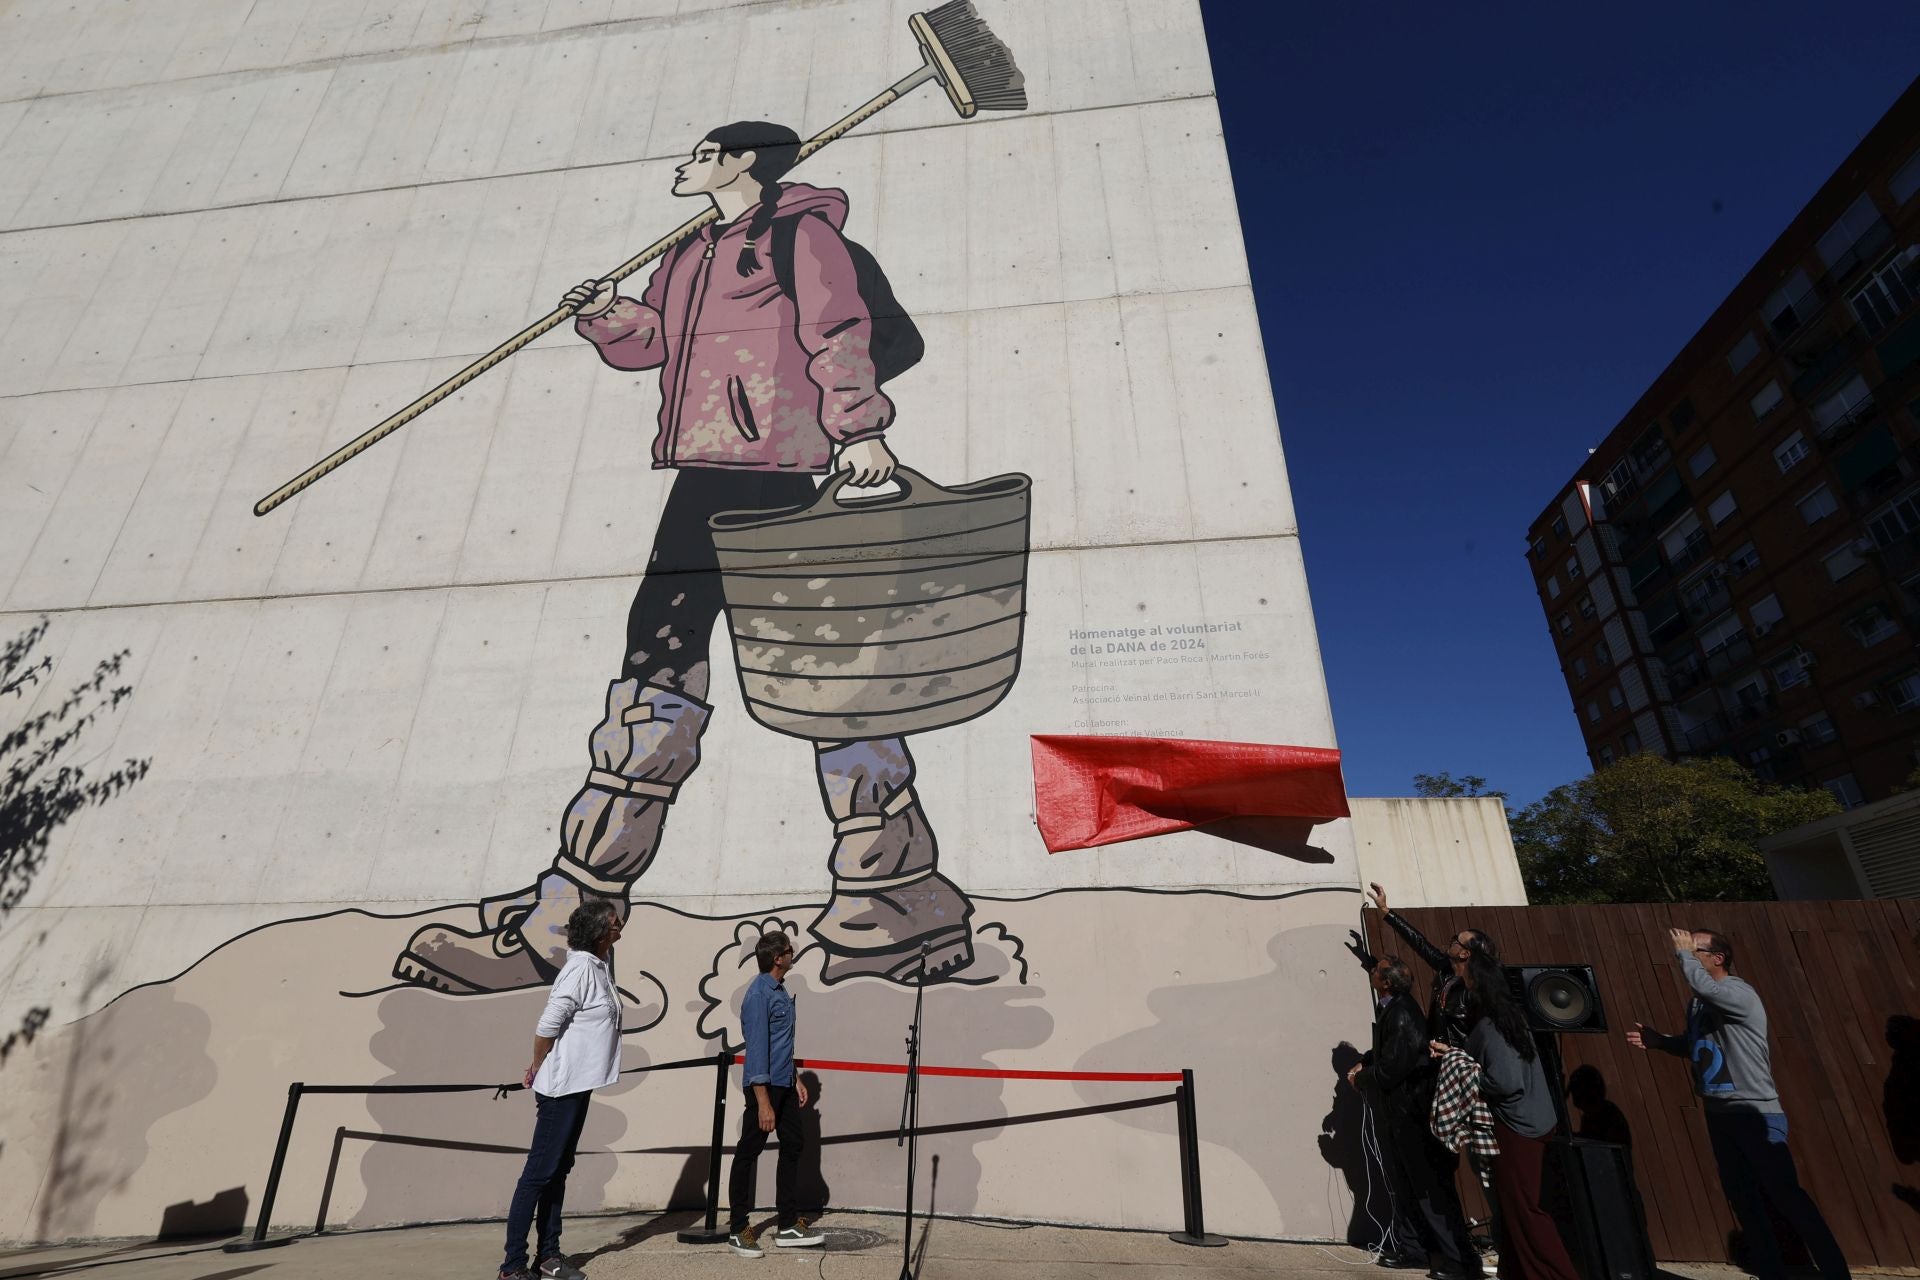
(1726, 1041)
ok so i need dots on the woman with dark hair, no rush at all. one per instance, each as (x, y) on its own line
(1513, 1081)
(1448, 1013)
(576, 1049)
(765, 343)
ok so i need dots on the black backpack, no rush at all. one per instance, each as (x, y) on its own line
(896, 343)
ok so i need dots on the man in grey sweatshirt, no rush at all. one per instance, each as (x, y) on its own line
(1726, 1041)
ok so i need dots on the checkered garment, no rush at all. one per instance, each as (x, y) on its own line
(1461, 1119)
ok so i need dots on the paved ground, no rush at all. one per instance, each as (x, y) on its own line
(640, 1246)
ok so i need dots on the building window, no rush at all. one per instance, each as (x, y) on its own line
(1743, 353)
(1606, 755)
(1904, 693)
(1818, 729)
(1744, 560)
(1872, 625)
(1593, 712)
(1765, 614)
(1721, 508)
(1573, 569)
(1891, 291)
(1560, 527)
(1791, 305)
(1845, 790)
(1817, 505)
(1848, 404)
(1766, 401)
(1586, 607)
(1841, 238)
(1538, 548)
(1789, 453)
(1839, 562)
(1719, 633)
(1900, 518)
(1579, 668)
(1629, 743)
(1615, 699)
(1553, 586)
(1788, 671)
(1905, 180)
(1565, 624)
(1702, 461)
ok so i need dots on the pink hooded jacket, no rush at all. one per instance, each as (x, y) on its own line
(750, 378)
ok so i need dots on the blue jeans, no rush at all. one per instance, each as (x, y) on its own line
(543, 1183)
(1756, 1169)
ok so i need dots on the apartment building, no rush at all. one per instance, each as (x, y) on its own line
(1735, 570)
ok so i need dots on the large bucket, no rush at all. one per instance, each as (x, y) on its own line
(872, 617)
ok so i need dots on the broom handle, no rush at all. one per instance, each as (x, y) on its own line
(545, 324)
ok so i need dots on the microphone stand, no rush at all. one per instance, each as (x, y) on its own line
(910, 1111)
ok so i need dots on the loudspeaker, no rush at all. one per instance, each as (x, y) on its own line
(1598, 1209)
(1558, 997)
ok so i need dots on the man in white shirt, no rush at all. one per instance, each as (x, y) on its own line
(576, 1049)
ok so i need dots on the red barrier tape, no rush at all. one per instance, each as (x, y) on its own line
(982, 1073)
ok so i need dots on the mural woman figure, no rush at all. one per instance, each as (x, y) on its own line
(763, 338)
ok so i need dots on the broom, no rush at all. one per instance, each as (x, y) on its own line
(956, 48)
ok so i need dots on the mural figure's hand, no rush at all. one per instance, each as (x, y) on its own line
(766, 1117)
(870, 461)
(1377, 895)
(591, 298)
(1638, 1036)
(800, 1090)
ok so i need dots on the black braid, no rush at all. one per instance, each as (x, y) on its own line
(758, 226)
(776, 149)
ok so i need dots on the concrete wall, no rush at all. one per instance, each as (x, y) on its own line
(234, 234)
(1438, 852)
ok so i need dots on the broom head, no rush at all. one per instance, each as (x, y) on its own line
(975, 67)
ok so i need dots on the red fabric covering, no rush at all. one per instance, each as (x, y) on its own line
(1095, 790)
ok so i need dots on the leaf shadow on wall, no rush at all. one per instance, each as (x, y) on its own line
(127, 1067)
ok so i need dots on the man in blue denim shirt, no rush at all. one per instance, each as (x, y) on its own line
(774, 1098)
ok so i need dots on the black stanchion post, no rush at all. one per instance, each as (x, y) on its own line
(711, 1233)
(1194, 1213)
(259, 1240)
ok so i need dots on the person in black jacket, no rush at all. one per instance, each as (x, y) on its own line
(1451, 1012)
(1399, 1073)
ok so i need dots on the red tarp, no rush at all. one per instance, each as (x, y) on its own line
(1095, 790)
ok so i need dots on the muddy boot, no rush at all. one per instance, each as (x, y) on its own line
(642, 752)
(888, 898)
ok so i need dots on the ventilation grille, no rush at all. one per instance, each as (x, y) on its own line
(1889, 854)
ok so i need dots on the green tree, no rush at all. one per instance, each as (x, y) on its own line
(1649, 830)
(1444, 786)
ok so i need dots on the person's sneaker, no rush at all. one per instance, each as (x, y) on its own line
(798, 1236)
(518, 1273)
(558, 1268)
(746, 1243)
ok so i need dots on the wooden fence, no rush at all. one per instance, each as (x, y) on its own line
(1841, 982)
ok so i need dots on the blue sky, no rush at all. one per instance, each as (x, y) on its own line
(1477, 233)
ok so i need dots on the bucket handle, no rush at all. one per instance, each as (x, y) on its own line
(906, 477)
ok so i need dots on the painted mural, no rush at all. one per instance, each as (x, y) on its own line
(959, 435)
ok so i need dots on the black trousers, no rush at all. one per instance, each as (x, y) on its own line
(743, 1179)
(543, 1181)
(670, 624)
(1426, 1202)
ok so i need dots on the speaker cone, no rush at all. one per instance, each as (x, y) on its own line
(1559, 999)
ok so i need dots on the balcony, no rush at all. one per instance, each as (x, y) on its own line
(1683, 677)
(1706, 600)
(1736, 652)
(1708, 734)
(1693, 553)
(1847, 423)
(1818, 368)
